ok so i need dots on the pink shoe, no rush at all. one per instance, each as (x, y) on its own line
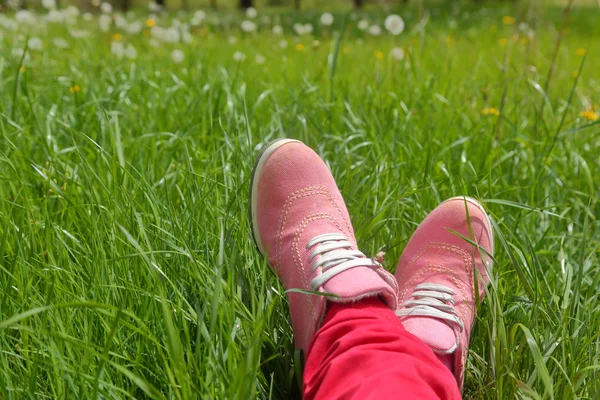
(300, 220)
(437, 274)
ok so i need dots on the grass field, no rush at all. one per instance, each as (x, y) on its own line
(127, 268)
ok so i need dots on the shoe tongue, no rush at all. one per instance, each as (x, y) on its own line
(436, 334)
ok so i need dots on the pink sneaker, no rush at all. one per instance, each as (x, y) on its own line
(300, 220)
(437, 274)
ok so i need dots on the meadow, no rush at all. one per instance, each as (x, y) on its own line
(127, 268)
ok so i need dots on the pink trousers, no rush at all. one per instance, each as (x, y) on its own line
(362, 351)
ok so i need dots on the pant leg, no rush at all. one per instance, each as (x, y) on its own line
(362, 351)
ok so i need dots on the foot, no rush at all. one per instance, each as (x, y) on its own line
(440, 274)
(299, 220)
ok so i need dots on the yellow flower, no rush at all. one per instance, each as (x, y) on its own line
(581, 52)
(508, 20)
(493, 28)
(299, 47)
(150, 23)
(575, 74)
(74, 89)
(379, 55)
(590, 115)
(524, 41)
(117, 37)
(490, 111)
(346, 50)
(502, 41)
(22, 68)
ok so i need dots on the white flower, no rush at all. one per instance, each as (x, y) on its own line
(177, 56)
(135, 27)
(8, 24)
(299, 29)
(153, 42)
(154, 7)
(232, 40)
(248, 26)
(326, 19)
(49, 4)
(277, 30)
(374, 30)
(75, 34)
(283, 43)
(198, 18)
(171, 35)
(397, 53)
(54, 16)
(106, 8)
(25, 17)
(308, 29)
(523, 26)
(88, 17)
(187, 37)
(394, 24)
(130, 52)
(260, 59)
(35, 44)
(251, 12)
(117, 48)
(120, 21)
(13, 4)
(60, 43)
(363, 24)
(18, 53)
(238, 56)
(96, 3)
(104, 21)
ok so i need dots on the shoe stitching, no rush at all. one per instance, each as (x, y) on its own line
(298, 258)
(292, 197)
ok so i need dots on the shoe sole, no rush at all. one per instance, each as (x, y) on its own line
(480, 206)
(260, 163)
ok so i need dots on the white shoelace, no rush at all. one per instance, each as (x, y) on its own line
(337, 256)
(431, 300)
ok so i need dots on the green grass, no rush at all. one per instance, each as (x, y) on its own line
(127, 268)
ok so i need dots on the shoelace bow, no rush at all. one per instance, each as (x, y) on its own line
(337, 255)
(431, 300)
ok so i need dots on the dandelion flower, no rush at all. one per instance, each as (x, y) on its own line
(60, 43)
(35, 44)
(25, 17)
(106, 8)
(277, 30)
(177, 56)
(379, 55)
(198, 18)
(316, 44)
(117, 37)
(49, 4)
(117, 49)
(490, 111)
(299, 47)
(283, 43)
(326, 19)
(150, 23)
(248, 26)
(74, 89)
(251, 12)
(575, 74)
(508, 20)
(581, 52)
(22, 68)
(130, 52)
(363, 24)
(397, 53)
(260, 59)
(104, 21)
(502, 41)
(590, 115)
(394, 24)
(374, 30)
(238, 56)
(308, 29)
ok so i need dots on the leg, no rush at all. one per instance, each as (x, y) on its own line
(363, 352)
